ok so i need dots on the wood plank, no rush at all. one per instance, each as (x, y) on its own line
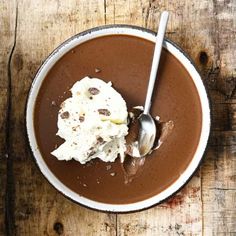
(39, 208)
(219, 167)
(219, 191)
(182, 214)
(7, 26)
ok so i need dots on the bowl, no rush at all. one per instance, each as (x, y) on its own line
(157, 195)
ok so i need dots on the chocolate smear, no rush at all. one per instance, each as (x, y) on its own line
(132, 166)
(81, 118)
(65, 115)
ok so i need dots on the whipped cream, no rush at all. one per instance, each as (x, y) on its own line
(93, 123)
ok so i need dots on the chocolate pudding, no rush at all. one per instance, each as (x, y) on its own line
(125, 61)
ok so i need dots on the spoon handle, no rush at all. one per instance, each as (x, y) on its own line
(156, 59)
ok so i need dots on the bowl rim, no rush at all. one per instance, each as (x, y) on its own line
(101, 31)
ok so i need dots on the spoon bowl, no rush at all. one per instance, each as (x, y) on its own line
(147, 134)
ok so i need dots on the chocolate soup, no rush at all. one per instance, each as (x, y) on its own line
(125, 61)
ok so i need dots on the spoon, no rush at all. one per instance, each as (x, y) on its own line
(147, 131)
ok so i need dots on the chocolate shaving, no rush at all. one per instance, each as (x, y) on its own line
(65, 115)
(81, 118)
(75, 128)
(104, 112)
(91, 153)
(94, 91)
(97, 70)
(53, 103)
(100, 139)
(108, 167)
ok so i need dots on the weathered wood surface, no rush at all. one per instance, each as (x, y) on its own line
(29, 30)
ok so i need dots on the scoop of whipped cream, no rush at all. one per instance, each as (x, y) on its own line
(93, 123)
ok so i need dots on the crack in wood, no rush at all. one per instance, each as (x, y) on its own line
(105, 11)
(216, 31)
(223, 189)
(202, 204)
(233, 91)
(147, 14)
(114, 13)
(10, 192)
(116, 222)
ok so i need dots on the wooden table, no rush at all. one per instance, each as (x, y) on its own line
(30, 30)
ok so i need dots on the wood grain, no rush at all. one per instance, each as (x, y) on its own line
(30, 30)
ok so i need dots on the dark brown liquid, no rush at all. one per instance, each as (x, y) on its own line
(126, 62)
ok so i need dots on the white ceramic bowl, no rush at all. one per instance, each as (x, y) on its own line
(116, 30)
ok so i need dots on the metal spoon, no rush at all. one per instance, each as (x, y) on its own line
(147, 131)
